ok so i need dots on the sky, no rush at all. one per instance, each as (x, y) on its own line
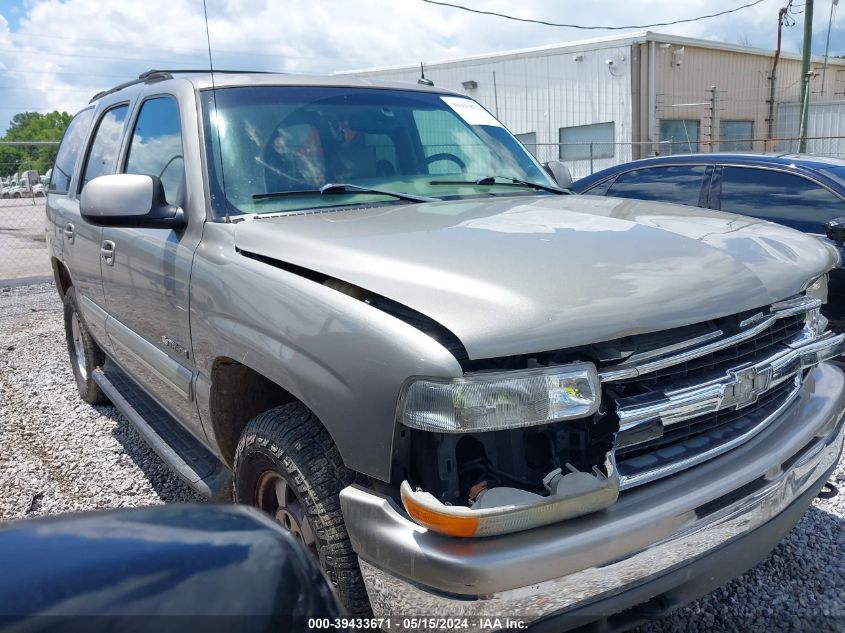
(55, 54)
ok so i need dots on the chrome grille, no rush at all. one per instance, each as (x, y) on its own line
(682, 403)
(711, 423)
(753, 350)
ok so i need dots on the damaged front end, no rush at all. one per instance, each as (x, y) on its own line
(498, 452)
(524, 446)
(502, 509)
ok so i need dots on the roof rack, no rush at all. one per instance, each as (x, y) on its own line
(154, 75)
(147, 77)
(154, 72)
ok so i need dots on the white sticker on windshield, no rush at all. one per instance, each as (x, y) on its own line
(470, 111)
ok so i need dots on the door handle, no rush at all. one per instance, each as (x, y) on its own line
(69, 232)
(107, 252)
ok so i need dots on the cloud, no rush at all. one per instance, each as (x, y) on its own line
(64, 51)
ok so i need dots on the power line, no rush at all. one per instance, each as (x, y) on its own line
(592, 28)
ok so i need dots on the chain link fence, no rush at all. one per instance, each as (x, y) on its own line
(24, 176)
(23, 244)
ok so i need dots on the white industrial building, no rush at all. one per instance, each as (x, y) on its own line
(595, 103)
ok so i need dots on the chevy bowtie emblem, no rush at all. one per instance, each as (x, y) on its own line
(746, 386)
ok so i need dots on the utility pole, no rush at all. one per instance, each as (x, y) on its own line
(833, 4)
(714, 124)
(772, 81)
(805, 74)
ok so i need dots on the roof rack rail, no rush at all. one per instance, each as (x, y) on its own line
(147, 77)
(160, 75)
(154, 71)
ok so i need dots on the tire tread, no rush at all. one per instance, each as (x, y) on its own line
(312, 463)
(88, 389)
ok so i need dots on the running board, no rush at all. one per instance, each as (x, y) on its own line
(180, 450)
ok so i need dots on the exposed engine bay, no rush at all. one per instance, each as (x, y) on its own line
(466, 469)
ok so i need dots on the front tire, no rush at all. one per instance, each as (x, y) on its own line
(287, 465)
(85, 354)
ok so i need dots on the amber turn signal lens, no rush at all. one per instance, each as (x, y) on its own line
(590, 494)
(440, 523)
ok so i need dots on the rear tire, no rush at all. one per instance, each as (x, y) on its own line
(287, 464)
(85, 354)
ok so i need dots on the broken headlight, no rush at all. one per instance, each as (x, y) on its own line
(818, 289)
(501, 400)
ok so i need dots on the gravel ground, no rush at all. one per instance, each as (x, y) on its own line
(58, 454)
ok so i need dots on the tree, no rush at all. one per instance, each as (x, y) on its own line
(32, 126)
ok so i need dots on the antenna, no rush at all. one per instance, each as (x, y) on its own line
(216, 121)
(422, 80)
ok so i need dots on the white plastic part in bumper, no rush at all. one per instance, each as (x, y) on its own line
(588, 492)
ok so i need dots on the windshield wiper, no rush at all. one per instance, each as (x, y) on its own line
(335, 189)
(491, 180)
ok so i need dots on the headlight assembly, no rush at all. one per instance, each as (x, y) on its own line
(818, 289)
(501, 400)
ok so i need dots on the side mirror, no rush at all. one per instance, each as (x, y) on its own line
(560, 173)
(835, 230)
(129, 200)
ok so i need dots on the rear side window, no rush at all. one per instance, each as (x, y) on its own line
(156, 148)
(680, 184)
(69, 151)
(779, 197)
(102, 157)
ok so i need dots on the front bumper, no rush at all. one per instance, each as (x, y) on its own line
(650, 533)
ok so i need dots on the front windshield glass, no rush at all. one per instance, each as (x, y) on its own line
(293, 140)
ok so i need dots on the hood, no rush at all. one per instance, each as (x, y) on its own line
(519, 275)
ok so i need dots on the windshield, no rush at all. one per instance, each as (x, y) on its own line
(263, 140)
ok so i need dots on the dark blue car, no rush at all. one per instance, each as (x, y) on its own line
(803, 192)
(165, 569)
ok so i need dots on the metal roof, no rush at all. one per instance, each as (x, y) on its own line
(598, 43)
